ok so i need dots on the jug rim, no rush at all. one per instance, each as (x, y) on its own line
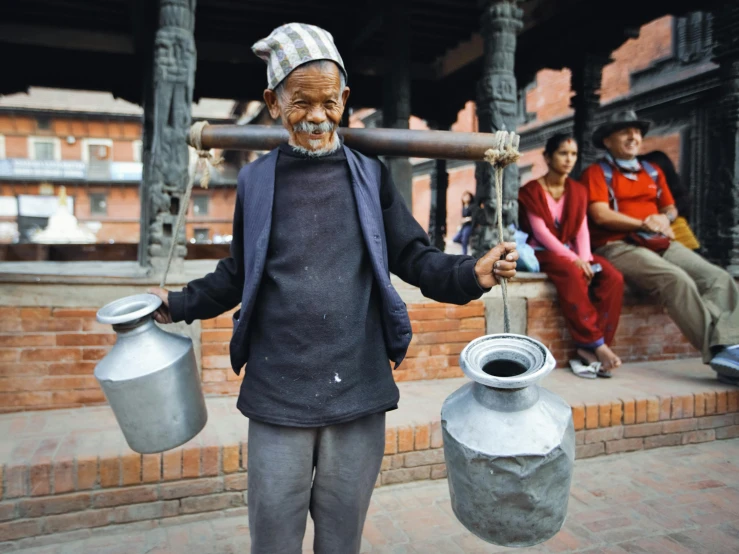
(482, 350)
(128, 309)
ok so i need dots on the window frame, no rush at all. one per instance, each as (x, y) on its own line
(207, 205)
(87, 142)
(56, 141)
(104, 195)
(138, 150)
(195, 233)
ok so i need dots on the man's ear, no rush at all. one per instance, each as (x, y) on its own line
(270, 98)
(345, 95)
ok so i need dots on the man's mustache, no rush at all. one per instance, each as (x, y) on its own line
(307, 127)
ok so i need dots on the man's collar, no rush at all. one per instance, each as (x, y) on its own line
(628, 166)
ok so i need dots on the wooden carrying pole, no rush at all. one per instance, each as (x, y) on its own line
(442, 145)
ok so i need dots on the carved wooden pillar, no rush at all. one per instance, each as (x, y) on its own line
(497, 110)
(724, 240)
(439, 187)
(396, 106)
(167, 104)
(437, 217)
(586, 81)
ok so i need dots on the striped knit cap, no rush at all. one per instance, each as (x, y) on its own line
(293, 45)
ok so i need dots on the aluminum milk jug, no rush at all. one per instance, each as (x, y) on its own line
(150, 378)
(509, 444)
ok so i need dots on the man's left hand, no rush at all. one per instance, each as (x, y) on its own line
(499, 262)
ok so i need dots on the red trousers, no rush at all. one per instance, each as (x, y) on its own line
(591, 311)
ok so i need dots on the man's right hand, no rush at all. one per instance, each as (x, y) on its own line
(659, 223)
(162, 314)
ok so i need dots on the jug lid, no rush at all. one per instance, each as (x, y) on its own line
(130, 308)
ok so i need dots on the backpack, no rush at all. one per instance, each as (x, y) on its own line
(608, 174)
(653, 241)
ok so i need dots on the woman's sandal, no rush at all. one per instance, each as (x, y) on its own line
(597, 368)
(584, 371)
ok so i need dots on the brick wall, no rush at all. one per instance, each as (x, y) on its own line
(440, 331)
(645, 332)
(48, 488)
(48, 354)
(550, 98)
(47, 357)
(669, 144)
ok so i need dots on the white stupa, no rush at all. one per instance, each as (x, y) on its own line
(63, 227)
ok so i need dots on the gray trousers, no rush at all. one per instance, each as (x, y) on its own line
(701, 298)
(330, 471)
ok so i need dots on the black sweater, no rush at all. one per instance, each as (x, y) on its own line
(316, 353)
(442, 277)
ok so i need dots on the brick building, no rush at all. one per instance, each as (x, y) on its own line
(90, 143)
(545, 108)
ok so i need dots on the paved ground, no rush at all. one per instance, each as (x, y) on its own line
(678, 500)
(79, 431)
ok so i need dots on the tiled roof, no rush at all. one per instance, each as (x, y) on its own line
(65, 100)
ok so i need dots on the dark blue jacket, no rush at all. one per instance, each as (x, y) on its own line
(394, 240)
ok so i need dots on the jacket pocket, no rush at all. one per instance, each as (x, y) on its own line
(235, 320)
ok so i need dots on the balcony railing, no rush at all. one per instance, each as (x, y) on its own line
(70, 170)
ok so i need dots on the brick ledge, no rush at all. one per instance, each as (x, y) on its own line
(44, 497)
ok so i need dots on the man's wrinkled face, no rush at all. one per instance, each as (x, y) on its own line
(310, 103)
(624, 144)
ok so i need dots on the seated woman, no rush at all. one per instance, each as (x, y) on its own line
(552, 210)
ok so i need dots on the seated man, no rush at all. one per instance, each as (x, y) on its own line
(631, 208)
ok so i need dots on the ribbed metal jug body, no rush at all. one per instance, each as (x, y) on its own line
(509, 444)
(150, 378)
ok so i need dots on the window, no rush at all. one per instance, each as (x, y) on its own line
(97, 150)
(43, 123)
(98, 203)
(200, 205)
(138, 154)
(202, 235)
(44, 149)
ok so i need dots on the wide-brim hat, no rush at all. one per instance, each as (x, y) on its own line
(618, 121)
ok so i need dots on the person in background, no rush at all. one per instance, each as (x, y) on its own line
(552, 210)
(631, 209)
(683, 233)
(463, 234)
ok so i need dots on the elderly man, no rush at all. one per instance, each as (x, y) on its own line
(318, 227)
(631, 209)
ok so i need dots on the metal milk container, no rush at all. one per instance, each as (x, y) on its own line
(150, 378)
(509, 444)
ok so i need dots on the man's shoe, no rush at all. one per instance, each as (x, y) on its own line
(726, 364)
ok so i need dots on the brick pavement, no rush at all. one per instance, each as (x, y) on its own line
(679, 500)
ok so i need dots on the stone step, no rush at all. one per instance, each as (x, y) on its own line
(64, 470)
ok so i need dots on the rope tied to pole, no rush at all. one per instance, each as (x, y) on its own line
(504, 152)
(205, 162)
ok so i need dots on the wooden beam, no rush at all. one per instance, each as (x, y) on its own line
(68, 39)
(373, 25)
(459, 57)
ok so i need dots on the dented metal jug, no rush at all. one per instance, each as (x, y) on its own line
(150, 378)
(509, 444)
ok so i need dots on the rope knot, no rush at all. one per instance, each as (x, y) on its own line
(206, 159)
(503, 153)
